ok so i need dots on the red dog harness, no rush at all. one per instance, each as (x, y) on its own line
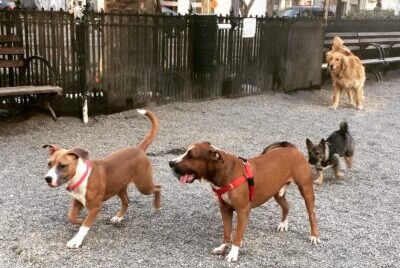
(84, 176)
(248, 176)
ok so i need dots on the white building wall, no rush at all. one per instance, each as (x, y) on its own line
(259, 7)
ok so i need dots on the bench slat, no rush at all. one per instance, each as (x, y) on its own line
(9, 39)
(346, 41)
(378, 33)
(28, 90)
(392, 59)
(11, 63)
(341, 34)
(11, 51)
(379, 40)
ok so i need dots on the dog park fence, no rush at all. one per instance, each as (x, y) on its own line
(121, 61)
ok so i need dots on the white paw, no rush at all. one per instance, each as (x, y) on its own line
(333, 107)
(219, 250)
(314, 240)
(74, 243)
(116, 219)
(283, 226)
(233, 254)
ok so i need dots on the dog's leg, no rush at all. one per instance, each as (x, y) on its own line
(283, 225)
(123, 195)
(307, 191)
(76, 241)
(336, 97)
(351, 98)
(359, 98)
(320, 178)
(227, 215)
(349, 161)
(73, 214)
(336, 166)
(242, 219)
(145, 184)
(157, 197)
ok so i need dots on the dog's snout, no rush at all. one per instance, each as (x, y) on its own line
(48, 179)
(172, 164)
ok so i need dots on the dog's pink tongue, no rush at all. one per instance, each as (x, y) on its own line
(186, 178)
(183, 179)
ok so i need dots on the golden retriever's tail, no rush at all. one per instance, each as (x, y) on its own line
(154, 129)
(337, 41)
(338, 46)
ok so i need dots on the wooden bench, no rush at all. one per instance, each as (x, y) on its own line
(11, 58)
(381, 42)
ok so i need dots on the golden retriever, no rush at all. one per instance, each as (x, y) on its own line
(348, 74)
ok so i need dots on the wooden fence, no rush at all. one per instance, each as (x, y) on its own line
(122, 61)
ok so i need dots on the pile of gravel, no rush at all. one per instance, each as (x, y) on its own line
(358, 216)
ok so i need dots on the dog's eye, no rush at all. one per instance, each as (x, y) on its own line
(62, 166)
(49, 164)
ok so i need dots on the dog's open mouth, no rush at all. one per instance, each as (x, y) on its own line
(187, 178)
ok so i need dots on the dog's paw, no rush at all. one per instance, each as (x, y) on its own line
(219, 250)
(74, 243)
(333, 107)
(314, 240)
(318, 182)
(283, 226)
(116, 219)
(360, 107)
(339, 175)
(233, 254)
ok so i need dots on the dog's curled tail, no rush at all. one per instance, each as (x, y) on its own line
(277, 145)
(337, 41)
(344, 128)
(154, 129)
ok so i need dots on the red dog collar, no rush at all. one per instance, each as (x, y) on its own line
(84, 176)
(248, 176)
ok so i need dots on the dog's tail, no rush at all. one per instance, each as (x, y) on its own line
(338, 46)
(277, 145)
(344, 128)
(154, 129)
(337, 41)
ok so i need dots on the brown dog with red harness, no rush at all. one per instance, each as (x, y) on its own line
(90, 182)
(266, 175)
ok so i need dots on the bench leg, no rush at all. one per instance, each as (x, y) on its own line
(48, 105)
(378, 75)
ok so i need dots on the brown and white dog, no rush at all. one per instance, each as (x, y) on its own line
(348, 74)
(270, 174)
(91, 182)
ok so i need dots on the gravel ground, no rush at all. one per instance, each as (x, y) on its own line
(358, 216)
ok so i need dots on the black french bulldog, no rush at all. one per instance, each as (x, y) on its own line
(339, 144)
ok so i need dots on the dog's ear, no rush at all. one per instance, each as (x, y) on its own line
(216, 156)
(79, 153)
(328, 56)
(309, 143)
(52, 148)
(322, 144)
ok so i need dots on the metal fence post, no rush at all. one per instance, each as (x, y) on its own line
(81, 33)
